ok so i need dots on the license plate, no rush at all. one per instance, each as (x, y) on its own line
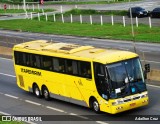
(133, 104)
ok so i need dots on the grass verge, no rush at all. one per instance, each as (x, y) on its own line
(96, 12)
(117, 31)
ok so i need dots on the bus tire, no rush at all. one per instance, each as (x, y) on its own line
(45, 93)
(36, 91)
(94, 105)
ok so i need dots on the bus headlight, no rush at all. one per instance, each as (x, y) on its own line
(117, 102)
(114, 103)
(144, 95)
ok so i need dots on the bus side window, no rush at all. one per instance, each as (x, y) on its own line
(18, 58)
(85, 69)
(47, 63)
(55, 64)
(27, 57)
(69, 67)
(38, 61)
(75, 67)
(61, 65)
(33, 61)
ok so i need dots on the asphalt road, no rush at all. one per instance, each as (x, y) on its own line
(18, 102)
(15, 101)
(147, 4)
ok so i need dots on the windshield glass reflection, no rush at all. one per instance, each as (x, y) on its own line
(126, 78)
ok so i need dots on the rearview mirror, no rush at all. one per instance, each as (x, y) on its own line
(147, 68)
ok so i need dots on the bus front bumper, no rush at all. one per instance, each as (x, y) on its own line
(129, 105)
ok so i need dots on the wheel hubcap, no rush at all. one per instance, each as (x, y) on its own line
(95, 106)
(37, 91)
(45, 93)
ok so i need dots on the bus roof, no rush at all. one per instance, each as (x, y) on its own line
(104, 56)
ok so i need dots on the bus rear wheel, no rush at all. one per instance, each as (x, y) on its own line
(45, 93)
(36, 91)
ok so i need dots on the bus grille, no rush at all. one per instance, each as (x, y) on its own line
(127, 100)
(136, 97)
(21, 80)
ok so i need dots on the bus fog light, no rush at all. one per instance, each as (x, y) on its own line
(118, 108)
(144, 101)
(144, 95)
(114, 103)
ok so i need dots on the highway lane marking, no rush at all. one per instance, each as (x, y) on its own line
(35, 103)
(123, 49)
(6, 59)
(55, 109)
(145, 51)
(73, 37)
(79, 116)
(151, 61)
(1, 93)
(59, 110)
(7, 75)
(3, 113)
(15, 97)
(101, 122)
(153, 86)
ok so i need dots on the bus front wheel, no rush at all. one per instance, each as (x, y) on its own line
(46, 93)
(36, 91)
(94, 105)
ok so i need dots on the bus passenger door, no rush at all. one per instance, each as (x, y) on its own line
(84, 89)
(82, 80)
(101, 80)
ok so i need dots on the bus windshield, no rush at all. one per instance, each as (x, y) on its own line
(126, 78)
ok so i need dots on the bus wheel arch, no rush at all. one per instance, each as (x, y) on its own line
(45, 92)
(94, 105)
(36, 90)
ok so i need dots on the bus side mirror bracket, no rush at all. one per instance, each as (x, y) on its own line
(147, 70)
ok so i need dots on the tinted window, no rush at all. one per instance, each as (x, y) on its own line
(59, 64)
(47, 63)
(84, 69)
(69, 66)
(18, 58)
(27, 59)
(156, 9)
(72, 67)
(139, 9)
(34, 60)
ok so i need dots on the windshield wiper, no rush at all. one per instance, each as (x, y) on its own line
(131, 82)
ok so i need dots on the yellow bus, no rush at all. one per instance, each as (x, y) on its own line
(105, 80)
